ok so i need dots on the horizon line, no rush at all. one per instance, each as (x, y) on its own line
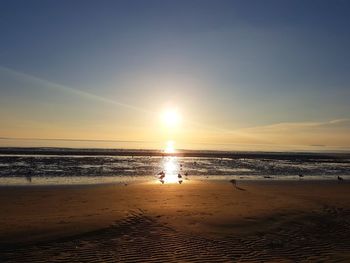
(145, 141)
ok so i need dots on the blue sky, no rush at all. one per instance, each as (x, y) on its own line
(227, 65)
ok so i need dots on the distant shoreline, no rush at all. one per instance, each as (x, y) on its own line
(180, 153)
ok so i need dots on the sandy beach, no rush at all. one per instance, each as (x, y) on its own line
(174, 131)
(197, 221)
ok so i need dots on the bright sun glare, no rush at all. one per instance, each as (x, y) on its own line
(171, 118)
(170, 147)
(171, 169)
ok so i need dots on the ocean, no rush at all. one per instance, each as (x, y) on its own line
(35, 166)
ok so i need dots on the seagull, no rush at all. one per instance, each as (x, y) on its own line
(161, 175)
(29, 176)
(233, 182)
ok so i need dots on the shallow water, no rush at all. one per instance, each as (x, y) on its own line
(17, 169)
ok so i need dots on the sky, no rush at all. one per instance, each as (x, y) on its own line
(254, 75)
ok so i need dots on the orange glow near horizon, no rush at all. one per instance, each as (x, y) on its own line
(171, 119)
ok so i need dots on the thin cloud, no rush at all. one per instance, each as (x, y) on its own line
(284, 126)
(55, 86)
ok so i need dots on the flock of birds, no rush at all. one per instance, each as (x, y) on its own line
(339, 177)
(161, 176)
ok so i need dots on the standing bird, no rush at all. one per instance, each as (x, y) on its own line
(233, 182)
(29, 176)
(161, 175)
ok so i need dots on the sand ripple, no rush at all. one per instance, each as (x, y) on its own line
(315, 237)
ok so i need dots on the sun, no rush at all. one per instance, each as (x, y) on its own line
(171, 118)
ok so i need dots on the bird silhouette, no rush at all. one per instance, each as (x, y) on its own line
(161, 175)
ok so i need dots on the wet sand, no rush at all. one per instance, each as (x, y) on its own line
(197, 221)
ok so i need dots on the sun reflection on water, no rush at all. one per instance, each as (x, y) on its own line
(170, 147)
(171, 168)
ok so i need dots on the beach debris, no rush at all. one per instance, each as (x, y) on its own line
(340, 178)
(300, 175)
(267, 176)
